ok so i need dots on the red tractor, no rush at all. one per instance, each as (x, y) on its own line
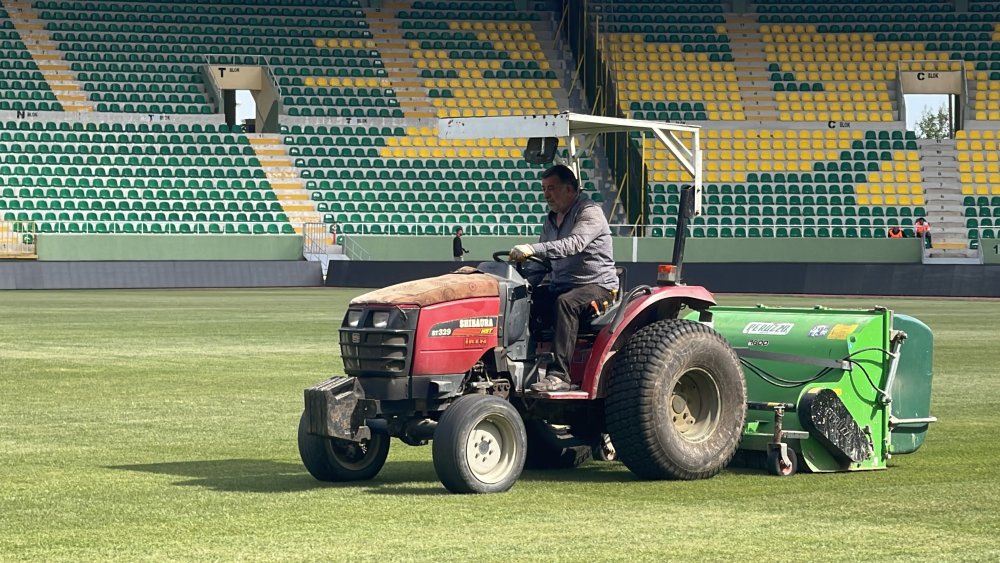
(451, 359)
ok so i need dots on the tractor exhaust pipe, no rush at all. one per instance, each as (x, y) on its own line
(685, 213)
(670, 274)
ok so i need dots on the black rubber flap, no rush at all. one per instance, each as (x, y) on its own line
(827, 419)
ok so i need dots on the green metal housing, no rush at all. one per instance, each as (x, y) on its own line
(790, 354)
(911, 389)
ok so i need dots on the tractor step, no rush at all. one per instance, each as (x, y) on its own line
(557, 395)
(826, 417)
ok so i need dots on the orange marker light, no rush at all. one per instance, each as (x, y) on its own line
(666, 274)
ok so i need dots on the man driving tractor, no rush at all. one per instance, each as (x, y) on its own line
(577, 238)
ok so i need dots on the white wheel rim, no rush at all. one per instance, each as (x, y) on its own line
(695, 405)
(490, 449)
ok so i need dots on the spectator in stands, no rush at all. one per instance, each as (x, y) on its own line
(457, 250)
(923, 231)
(577, 240)
(896, 232)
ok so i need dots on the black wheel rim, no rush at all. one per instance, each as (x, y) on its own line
(352, 455)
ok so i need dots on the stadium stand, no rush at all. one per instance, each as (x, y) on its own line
(134, 178)
(798, 183)
(447, 59)
(673, 61)
(23, 87)
(407, 181)
(979, 171)
(361, 89)
(145, 57)
(479, 68)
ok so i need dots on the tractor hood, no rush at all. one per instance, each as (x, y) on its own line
(464, 283)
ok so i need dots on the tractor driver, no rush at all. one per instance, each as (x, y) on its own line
(576, 237)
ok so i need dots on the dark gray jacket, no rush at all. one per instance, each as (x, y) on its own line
(580, 248)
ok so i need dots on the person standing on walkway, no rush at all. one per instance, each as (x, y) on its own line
(457, 250)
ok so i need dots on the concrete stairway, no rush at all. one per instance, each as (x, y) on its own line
(403, 75)
(284, 179)
(47, 56)
(943, 202)
(756, 89)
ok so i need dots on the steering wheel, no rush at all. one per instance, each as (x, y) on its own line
(543, 262)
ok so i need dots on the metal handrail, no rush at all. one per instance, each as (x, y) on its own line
(317, 237)
(354, 250)
(562, 21)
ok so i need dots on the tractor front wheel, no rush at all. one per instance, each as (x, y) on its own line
(676, 401)
(330, 459)
(479, 445)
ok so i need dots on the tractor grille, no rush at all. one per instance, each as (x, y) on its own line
(378, 341)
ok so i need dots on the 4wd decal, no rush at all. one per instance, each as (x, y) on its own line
(818, 331)
(473, 326)
(768, 329)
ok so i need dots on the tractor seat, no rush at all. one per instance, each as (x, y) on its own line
(598, 322)
(589, 327)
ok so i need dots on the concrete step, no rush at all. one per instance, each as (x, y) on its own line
(299, 208)
(419, 103)
(286, 185)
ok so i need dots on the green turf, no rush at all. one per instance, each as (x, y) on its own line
(160, 425)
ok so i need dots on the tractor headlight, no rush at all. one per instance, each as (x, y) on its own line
(353, 317)
(380, 319)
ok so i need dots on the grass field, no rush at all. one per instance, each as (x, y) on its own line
(160, 425)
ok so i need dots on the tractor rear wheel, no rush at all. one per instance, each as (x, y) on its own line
(330, 459)
(479, 445)
(676, 401)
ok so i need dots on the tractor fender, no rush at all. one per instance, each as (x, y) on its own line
(662, 303)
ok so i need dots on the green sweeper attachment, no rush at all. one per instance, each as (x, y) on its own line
(829, 389)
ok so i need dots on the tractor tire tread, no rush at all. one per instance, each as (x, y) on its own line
(631, 407)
